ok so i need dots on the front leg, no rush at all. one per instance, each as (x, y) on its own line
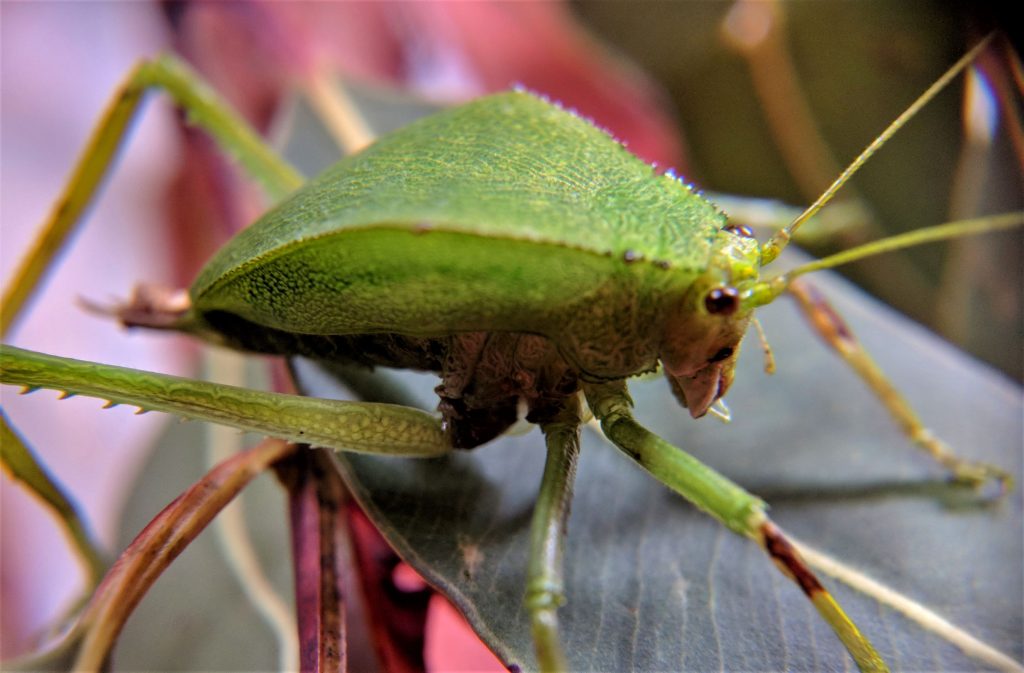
(725, 500)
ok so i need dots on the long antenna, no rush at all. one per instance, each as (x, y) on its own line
(780, 239)
(765, 292)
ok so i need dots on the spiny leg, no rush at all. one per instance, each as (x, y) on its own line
(364, 427)
(827, 322)
(547, 533)
(351, 426)
(204, 109)
(738, 510)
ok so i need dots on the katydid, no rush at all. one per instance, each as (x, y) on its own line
(536, 278)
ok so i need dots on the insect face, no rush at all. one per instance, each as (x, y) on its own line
(703, 334)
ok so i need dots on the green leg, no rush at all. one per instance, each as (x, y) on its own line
(738, 510)
(547, 533)
(204, 108)
(19, 461)
(350, 426)
(837, 334)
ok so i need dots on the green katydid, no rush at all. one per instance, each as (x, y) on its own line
(702, 366)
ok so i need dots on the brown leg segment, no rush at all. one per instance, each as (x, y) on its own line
(788, 560)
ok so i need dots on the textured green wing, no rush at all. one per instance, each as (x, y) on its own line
(544, 191)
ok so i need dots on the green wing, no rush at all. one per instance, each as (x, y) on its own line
(507, 208)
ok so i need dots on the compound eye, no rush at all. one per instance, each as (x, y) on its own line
(722, 301)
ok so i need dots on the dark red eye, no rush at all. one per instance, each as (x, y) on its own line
(722, 301)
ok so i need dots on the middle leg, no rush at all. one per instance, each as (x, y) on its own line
(544, 588)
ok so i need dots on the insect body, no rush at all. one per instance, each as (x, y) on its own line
(444, 266)
(456, 246)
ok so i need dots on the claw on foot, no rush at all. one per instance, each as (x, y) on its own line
(978, 475)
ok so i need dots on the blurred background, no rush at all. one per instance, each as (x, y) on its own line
(751, 99)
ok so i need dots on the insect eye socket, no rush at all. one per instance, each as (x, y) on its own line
(722, 301)
(740, 230)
